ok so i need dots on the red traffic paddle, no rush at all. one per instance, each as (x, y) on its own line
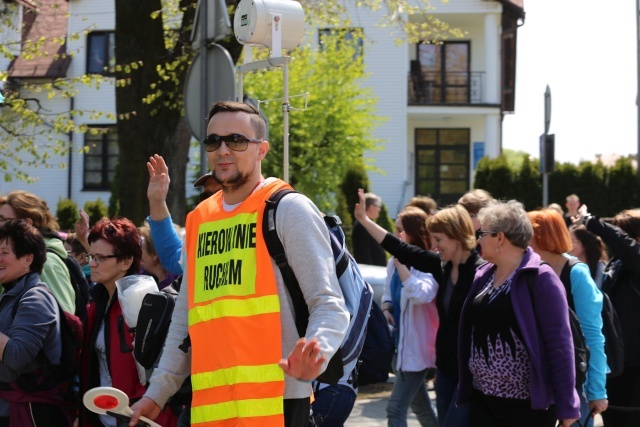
(103, 399)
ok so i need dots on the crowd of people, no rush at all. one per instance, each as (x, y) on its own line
(478, 294)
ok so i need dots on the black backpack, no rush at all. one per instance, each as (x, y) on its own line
(78, 282)
(378, 350)
(611, 329)
(580, 348)
(151, 330)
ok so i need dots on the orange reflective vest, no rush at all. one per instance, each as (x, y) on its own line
(234, 316)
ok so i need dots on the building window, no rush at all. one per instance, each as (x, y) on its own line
(441, 73)
(101, 158)
(101, 49)
(442, 163)
(349, 36)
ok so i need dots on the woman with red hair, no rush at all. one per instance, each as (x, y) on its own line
(107, 357)
(552, 241)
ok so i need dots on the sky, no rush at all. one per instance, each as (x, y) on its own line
(585, 51)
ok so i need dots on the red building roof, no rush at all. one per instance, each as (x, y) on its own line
(46, 19)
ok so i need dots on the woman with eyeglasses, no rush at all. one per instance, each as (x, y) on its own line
(452, 236)
(29, 328)
(21, 204)
(516, 361)
(107, 357)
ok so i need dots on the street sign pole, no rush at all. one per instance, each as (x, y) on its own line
(543, 147)
(204, 68)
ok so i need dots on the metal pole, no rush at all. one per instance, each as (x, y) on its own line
(285, 121)
(239, 85)
(204, 166)
(545, 189)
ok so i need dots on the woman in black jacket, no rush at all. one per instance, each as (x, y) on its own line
(453, 238)
(622, 283)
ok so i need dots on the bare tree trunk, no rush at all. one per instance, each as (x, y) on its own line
(146, 129)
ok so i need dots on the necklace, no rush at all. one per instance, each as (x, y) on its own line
(497, 282)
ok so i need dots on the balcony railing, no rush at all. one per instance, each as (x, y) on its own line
(437, 88)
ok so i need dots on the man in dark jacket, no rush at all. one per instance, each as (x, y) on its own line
(622, 283)
(365, 249)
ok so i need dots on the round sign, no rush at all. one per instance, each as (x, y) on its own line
(219, 84)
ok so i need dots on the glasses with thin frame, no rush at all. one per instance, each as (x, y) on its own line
(99, 259)
(481, 233)
(234, 141)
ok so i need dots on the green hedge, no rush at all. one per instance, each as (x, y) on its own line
(606, 190)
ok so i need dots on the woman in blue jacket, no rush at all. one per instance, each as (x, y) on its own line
(551, 240)
(30, 338)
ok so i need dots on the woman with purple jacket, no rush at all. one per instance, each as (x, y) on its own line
(515, 346)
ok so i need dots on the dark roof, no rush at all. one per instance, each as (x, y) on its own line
(516, 5)
(48, 19)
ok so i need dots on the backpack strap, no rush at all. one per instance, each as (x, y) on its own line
(565, 277)
(276, 251)
(530, 275)
(79, 284)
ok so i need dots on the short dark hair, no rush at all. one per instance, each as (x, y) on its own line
(371, 199)
(629, 221)
(257, 121)
(25, 239)
(76, 246)
(121, 233)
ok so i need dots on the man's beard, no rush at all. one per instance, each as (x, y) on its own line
(233, 183)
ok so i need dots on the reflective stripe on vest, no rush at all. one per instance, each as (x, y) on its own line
(234, 316)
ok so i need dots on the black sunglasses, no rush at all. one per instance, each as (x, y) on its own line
(234, 141)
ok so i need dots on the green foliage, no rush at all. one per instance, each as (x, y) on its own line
(606, 190)
(527, 183)
(67, 213)
(621, 189)
(335, 128)
(565, 177)
(592, 186)
(498, 175)
(343, 211)
(406, 20)
(96, 210)
(356, 177)
(515, 159)
(384, 220)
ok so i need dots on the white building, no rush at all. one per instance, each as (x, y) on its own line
(444, 103)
